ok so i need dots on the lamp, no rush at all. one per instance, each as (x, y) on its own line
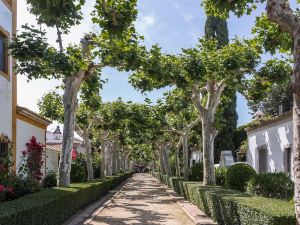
(57, 133)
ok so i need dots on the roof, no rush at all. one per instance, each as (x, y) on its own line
(33, 115)
(267, 121)
(57, 146)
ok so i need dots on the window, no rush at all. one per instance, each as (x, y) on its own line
(262, 159)
(2, 54)
(287, 160)
(3, 149)
(4, 58)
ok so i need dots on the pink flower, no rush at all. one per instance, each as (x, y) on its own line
(74, 154)
(10, 189)
(24, 152)
(1, 188)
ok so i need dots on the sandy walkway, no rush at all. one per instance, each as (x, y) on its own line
(142, 201)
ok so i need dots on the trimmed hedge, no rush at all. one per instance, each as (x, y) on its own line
(54, 206)
(229, 207)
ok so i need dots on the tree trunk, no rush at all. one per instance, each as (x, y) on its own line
(280, 12)
(72, 85)
(109, 159)
(165, 151)
(208, 134)
(185, 149)
(103, 157)
(177, 163)
(296, 122)
(89, 162)
(161, 161)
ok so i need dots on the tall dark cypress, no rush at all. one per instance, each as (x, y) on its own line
(216, 28)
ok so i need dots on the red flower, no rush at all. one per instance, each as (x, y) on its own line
(2, 188)
(10, 189)
(74, 154)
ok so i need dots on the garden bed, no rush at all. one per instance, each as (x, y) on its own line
(229, 207)
(54, 206)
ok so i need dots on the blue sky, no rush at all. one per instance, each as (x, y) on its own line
(173, 24)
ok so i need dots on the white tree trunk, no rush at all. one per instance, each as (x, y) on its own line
(185, 149)
(165, 151)
(177, 163)
(161, 160)
(88, 153)
(208, 134)
(109, 159)
(279, 11)
(103, 166)
(72, 85)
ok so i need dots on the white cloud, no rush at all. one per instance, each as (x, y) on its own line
(144, 24)
(187, 15)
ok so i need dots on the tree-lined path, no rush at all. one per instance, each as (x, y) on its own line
(142, 201)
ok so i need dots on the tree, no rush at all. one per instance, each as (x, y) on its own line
(51, 106)
(181, 117)
(216, 28)
(75, 63)
(284, 18)
(205, 71)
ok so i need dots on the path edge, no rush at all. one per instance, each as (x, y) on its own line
(179, 201)
(87, 214)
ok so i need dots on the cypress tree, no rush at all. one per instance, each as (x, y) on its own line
(216, 28)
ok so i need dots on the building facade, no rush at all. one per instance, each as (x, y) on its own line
(8, 80)
(270, 144)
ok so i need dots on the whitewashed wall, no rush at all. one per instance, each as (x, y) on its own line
(5, 84)
(51, 160)
(276, 137)
(25, 132)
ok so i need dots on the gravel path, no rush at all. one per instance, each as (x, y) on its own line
(142, 201)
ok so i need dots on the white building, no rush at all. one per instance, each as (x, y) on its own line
(8, 81)
(195, 157)
(270, 144)
(17, 124)
(54, 148)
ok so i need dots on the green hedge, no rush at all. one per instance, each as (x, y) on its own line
(54, 206)
(229, 207)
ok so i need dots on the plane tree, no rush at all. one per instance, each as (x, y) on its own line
(51, 106)
(205, 71)
(181, 117)
(284, 24)
(72, 63)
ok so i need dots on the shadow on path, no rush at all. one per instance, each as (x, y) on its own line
(142, 201)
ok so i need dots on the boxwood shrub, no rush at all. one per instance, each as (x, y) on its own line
(272, 185)
(238, 175)
(54, 206)
(230, 207)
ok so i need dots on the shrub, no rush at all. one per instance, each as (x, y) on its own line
(50, 180)
(272, 185)
(31, 185)
(78, 173)
(197, 172)
(32, 160)
(238, 175)
(55, 204)
(229, 207)
(20, 186)
(17, 183)
(220, 174)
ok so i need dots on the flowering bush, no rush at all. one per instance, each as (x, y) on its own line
(6, 192)
(32, 160)
(74, 155)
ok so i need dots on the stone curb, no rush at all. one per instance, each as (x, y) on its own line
(89, 213)
(193, 212)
